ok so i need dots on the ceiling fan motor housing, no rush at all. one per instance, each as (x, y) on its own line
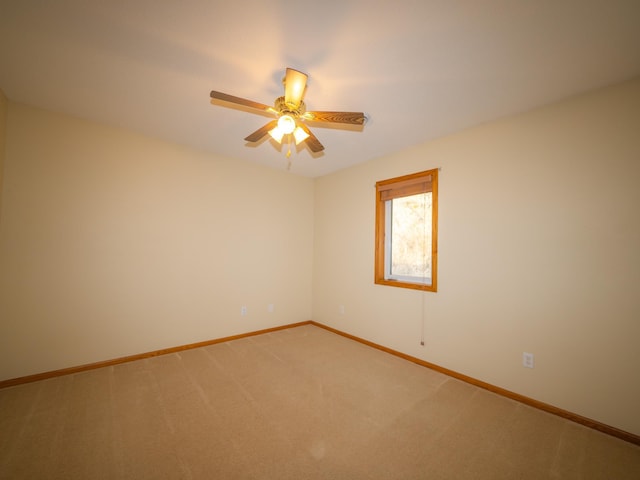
(285, 108)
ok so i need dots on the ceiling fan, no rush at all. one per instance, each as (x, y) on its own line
(291, 114)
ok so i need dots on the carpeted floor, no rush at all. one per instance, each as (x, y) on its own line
(301, 403)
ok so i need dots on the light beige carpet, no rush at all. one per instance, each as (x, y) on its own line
(301, 403)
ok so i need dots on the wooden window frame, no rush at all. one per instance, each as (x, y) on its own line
(403, 186)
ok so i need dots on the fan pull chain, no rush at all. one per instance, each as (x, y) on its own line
(289, 152)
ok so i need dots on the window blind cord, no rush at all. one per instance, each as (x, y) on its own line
(424, 272)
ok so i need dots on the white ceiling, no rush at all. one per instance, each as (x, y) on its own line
(419, 69)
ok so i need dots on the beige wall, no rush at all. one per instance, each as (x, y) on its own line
(113, 244)
(539, 252)
(3, 122)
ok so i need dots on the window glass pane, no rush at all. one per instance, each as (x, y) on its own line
(411, 238)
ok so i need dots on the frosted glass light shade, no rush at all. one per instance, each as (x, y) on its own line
(300, 135)
(276, 134)
(287, 124)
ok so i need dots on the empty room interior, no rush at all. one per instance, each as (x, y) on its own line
(177, 301)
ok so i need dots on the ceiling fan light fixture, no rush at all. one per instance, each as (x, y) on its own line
(287, 124)
(300, 135)
(276, 134)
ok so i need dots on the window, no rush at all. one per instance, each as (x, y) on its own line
(406, 231)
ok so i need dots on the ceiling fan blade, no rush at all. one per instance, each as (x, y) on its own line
(312, 141)
(240, 101)
(261, 132)
(353, 118)
(294, 84)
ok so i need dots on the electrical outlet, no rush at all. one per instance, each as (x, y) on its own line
(341, 309)
(243, 311)
(527, 360)
(271, 308)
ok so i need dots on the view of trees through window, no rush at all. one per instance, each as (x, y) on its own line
(411, 236)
